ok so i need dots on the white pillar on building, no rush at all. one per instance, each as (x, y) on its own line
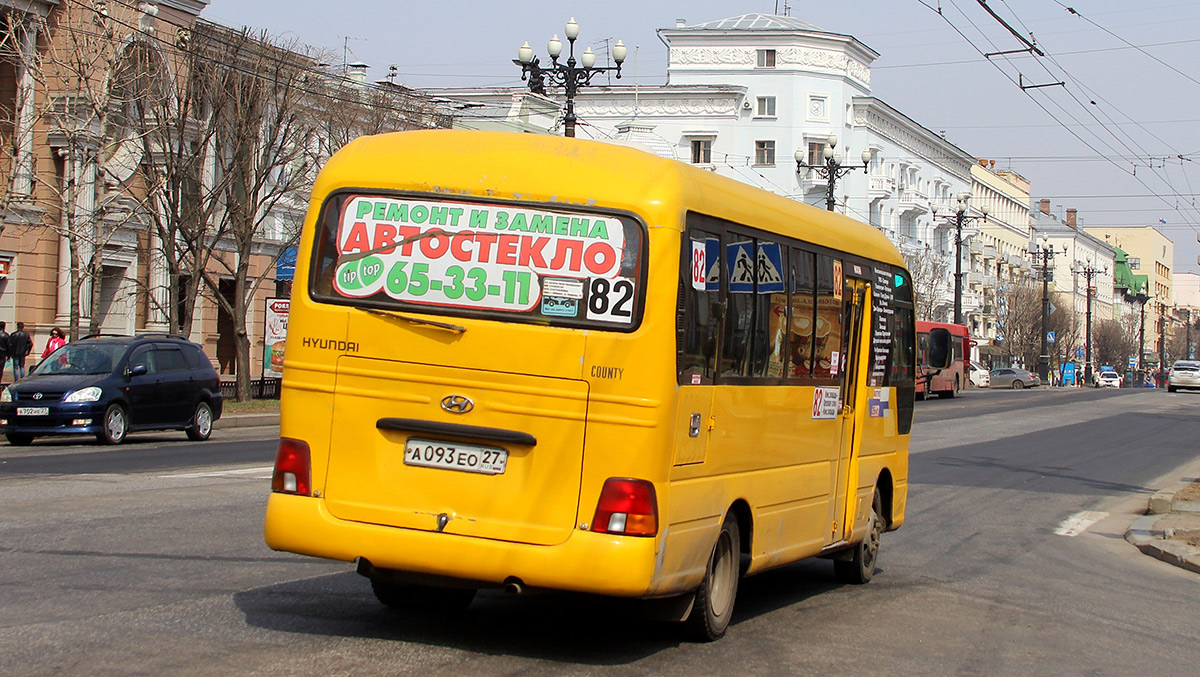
(27, 34)
(157, 318)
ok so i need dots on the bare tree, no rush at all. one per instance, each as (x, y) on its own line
(1113, 341)
(931, 278)
(180, 121)
(79, 68)
(263, 139)
(1068, 329)
(1021, 321)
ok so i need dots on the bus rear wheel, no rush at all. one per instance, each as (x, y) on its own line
(860, 567)
(713, 605)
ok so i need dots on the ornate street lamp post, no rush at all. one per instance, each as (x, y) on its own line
(1141, 298)
(1089, 273)
(1045, 252)
(832, 169)
(566, 75)
(960, 218)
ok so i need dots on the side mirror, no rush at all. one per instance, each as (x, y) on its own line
(137, 370)
(940, 352)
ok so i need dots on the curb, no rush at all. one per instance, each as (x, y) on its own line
(1145, 535)
(246, 421)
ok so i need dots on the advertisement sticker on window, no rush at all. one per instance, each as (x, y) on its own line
(487, 257)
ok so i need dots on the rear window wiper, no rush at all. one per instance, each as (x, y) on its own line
(458, 329)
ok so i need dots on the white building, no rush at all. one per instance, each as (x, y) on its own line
(747, 96)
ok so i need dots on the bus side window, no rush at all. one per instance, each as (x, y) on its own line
(770, 312)
(700, 308)
(740, 254)
(803, 313)
(903, 373)
(827, 341)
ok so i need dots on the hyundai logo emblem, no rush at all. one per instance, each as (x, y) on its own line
(457, 404)
(37, 396)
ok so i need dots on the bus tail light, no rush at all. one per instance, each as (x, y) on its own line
(293, 468)
(628, 507)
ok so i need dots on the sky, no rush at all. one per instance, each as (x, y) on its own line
(1119, 140)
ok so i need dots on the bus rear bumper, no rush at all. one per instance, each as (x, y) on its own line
(590, 562)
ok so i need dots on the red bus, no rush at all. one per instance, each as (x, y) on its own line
(943, 382)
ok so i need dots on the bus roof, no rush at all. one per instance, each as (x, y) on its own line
(956, 329)
(539, 167)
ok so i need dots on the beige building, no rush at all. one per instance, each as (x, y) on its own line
(1152, 254)
(997, 247)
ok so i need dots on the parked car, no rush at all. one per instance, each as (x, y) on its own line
(109, 386)
(1108, 379)
(1013, 377)
(980, 377)
(1183, 374)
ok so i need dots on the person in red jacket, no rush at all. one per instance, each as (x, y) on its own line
(55, 342)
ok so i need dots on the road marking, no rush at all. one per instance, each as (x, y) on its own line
(1079, 522)
(254, 473)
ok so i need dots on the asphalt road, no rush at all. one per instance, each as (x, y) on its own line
(148, 559)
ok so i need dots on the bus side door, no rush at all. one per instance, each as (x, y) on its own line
(854, 323)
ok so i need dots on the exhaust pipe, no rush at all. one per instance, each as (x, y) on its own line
(514, 586)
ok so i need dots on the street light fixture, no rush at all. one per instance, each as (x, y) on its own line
(566, 75)
(1045, 252)
(1162, 342)
(1140, 298)
(1089, 273)
(960, 218)
(831, 170)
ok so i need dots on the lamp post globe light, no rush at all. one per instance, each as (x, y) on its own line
(831, 169)
(961, 217)
(567, 75)
(1045, 253)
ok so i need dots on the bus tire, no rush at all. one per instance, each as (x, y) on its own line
(860, 567)
(422, 598)
(713, 605)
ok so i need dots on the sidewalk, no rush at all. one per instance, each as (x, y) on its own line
(246, 421)
(1170, 531)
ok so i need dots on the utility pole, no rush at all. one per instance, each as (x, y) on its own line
(1046, 253)
(1162, 340)
(1188, 350)
(1089, 273)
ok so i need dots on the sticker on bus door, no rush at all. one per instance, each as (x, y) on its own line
(826, 401)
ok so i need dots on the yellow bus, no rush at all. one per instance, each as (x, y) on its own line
(521, 361)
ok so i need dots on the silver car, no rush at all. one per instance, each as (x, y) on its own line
(1183, 374)
(1013, 377)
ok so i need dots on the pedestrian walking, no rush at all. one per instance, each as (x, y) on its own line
(3, 349)
(55, 342)
(19, 347)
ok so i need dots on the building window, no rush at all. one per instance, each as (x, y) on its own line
(766, 106)
(816, 154)
(764, 153)
(766, 58)
(701, 151)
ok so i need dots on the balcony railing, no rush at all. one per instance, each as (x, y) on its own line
(911, 199)
(881, 186)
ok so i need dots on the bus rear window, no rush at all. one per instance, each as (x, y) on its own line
(518, 262)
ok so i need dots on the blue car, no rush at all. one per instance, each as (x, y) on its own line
(109, 386)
